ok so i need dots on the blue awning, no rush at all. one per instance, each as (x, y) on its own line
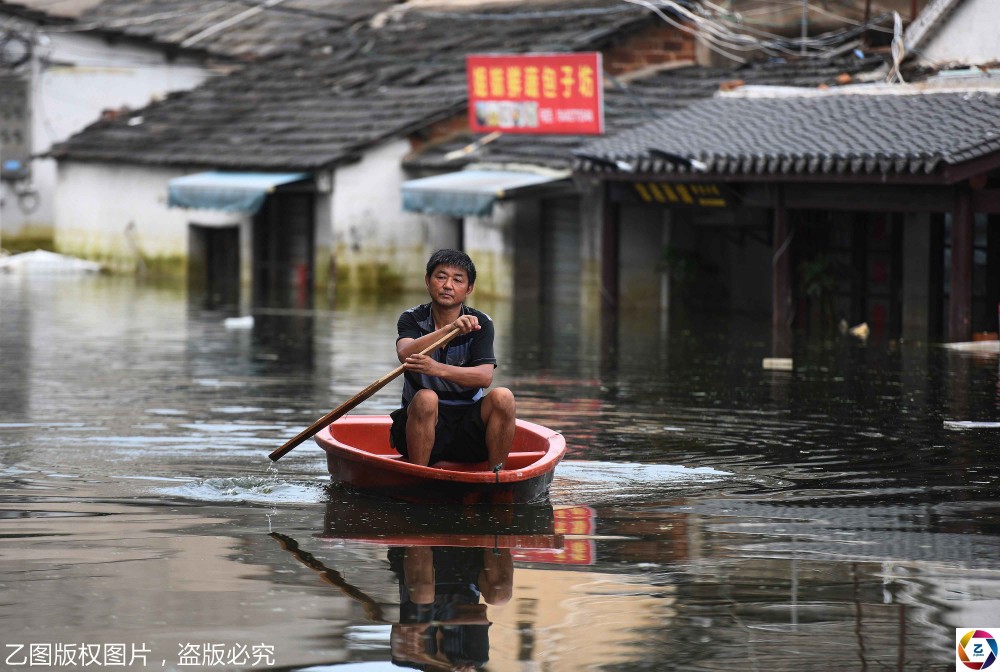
(231, 192)
(467, 192)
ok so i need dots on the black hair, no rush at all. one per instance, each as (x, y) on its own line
(455, 258)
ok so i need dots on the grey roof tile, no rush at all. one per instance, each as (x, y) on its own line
(859, 134)
(231, 28)
(325, 103)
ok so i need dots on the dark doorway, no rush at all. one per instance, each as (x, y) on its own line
(283, 243)
(214, 264)
(560, 279)
(561, 253)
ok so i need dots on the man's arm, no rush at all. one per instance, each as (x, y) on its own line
(466, 376)
(411, 346)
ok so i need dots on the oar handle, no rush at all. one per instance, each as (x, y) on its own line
(354, 401)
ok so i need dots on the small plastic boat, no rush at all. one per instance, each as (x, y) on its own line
(359, 457)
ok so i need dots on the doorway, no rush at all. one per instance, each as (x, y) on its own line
(214, 263)
(283, 250)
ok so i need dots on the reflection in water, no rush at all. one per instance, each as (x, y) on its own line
(373, 610)
(376, 520)
(449, 563)
(442, 624)
(443, 595)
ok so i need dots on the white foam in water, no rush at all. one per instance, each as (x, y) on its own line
(264, 489)
(596, 481)
(587, 470)
(970, 424)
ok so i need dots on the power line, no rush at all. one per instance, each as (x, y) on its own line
(710, 26)
(228, 23)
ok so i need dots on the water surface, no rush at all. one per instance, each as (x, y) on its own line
(710, 514)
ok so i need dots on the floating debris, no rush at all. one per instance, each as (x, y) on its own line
(245, 322)
(43, 262)
(777, 363)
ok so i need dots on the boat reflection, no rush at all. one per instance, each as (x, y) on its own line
(379, 521)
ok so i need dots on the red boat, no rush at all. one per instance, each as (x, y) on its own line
(359, 457)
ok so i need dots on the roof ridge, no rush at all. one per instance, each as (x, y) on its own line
(928, 22)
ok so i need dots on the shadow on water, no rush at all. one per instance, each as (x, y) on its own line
(710, 514)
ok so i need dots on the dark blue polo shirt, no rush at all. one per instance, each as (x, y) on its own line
(470, 349)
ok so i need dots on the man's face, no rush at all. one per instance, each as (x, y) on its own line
(448, 286)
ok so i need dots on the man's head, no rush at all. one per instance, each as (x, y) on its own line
(453, 258)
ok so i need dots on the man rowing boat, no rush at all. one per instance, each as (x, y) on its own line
(447, 413)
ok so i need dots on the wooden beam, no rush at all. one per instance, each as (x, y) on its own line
(986, 200)
(871, 198)
(960, 296)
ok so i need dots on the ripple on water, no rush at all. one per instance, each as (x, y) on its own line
(607, 482)
(258, 489)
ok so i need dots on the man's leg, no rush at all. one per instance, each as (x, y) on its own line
(421, 420)
(498, 414)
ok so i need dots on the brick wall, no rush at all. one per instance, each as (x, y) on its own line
(657, 44)
(439, 130)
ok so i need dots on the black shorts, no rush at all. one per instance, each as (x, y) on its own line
(459, 436)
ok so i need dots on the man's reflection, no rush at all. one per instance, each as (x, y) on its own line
(442, 624)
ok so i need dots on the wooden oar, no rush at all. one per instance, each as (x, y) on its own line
(361, 396)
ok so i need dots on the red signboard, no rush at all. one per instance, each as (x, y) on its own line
(536, 93)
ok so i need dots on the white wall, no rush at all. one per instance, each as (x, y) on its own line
(73, 77)
(970, 35)
(490, 243)
(106, 212)
(377, 244)
(96, 203)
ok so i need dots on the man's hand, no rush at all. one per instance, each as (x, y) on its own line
(422, 364)
(466, 323)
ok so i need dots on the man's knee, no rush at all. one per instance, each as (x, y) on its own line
(501, 400)
(423, 405)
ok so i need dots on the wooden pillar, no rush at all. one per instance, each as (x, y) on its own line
(609, 275)
(917, 288)
(960, 296)
(781, 278)
(992, 272)
(609, 256)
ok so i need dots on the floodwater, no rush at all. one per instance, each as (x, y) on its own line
(710, 515)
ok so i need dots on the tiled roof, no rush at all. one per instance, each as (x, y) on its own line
(27, 12)
(67, 9)
(834, 134)
(324, 104)
(639, 101)
(231, 28)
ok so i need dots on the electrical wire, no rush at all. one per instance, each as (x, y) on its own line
(710, 27)
(898, 50)
(680, 26)
(229, 23)
(520, 16)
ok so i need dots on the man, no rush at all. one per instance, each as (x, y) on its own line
(446, 412)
